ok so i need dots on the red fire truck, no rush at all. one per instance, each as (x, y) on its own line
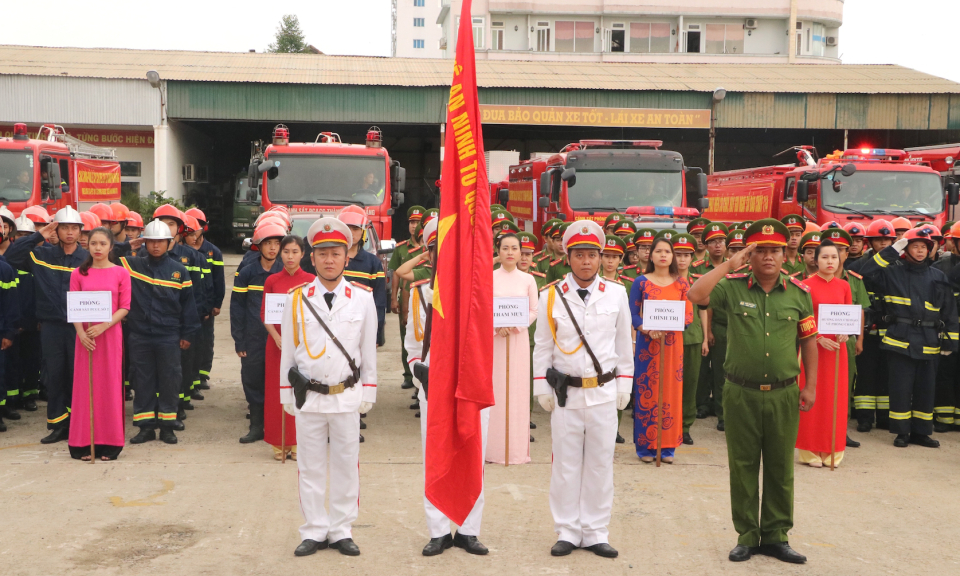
(55, 170)
(945, 159)
(858, 184)
(593, 178)
(325, 175)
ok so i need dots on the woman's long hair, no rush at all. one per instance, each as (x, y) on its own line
(85, 267)
(674, 271)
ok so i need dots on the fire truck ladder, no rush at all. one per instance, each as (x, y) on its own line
(78, 148)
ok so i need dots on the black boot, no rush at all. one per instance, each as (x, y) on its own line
(196, 395)
(9, 413)
(203, 385)
(56, 436)
(144, 435)
(30, 405)
(407, 384)
(181, 414)
(864, 426)
(941, 427)
(3, 427)
(256, 425)
(167, 436)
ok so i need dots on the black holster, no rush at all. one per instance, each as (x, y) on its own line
(558, 381)
(300, 384)
(421, 372)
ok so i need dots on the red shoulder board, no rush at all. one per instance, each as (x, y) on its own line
(744, 266)
(550, 285)
(699, 276)
(539, 274)
(421, 282)
(541, 257)
(617, 281)
(697, 263)
(734, 276)
(415, 250)
(557, 261)
(602, 287)
(311, 291)
(359, 285)
(404, 243)
(854, 274)
(297, 287)
(800, 284)
(782, 271)
(630, 267)
(795, 274)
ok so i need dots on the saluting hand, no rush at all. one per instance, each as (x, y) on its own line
(740, 258)
(136, 243)
(49, 231)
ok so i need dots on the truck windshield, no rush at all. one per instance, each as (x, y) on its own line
(245, 193)
(883, 191)
(316, 179)
(16, 175)
(623, 189)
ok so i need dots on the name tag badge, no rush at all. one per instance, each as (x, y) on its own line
(748, 304)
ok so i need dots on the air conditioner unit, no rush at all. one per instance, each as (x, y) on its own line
(188, 173)
(203, 174)
(831, 40)
(443, 43)
(750, 24)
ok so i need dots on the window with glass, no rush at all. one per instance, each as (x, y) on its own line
(129, 188)
(884, 192)
(496, 36)
(16, 175)
(646, 38)
(418, 3)
(574, 36)
(336, 180)
(418, 22)
(130, 169)
(609, 189)
(418, 43)
(724, 39)
(478, 33)
(543, 36)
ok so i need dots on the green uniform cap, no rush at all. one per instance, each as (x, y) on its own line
(684, 242)
(612, 219)
(838, 236)
(644, 236)
(614, 244)
(432, 213)
(714, 230)
(735, 239)
(697, 225)
(794, 222)
(500, 216)
(415, 212)
(625, 228)
(495, 207)
(810, 240)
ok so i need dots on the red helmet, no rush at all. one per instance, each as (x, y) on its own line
(199, 215)
(855, 230)
(36, 214)
(134, 220)
(279, 208)
(268, 231)
(270, 219)
(103, 212)
(811, 227)
(278, 217)
(901, 223)
(829, 225)
(955, 230)
(926, 234)
(120, 212)
(90, 220)
(172, 212)
(190, 224)
(936, 234)
(881, 228)
(353, 216)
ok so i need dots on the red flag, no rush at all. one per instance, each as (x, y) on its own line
(461, 357)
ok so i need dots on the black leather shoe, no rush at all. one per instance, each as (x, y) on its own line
(532, 439)
(196, 395)
(415, 405)
(901, 441)
(56, 436)
(416, 415)
(167, 436)
(177, 426)
(620, 439)
(361, 438)
(10, 414)
(128, 395)
(864, 427)
(181, 414)
(924, 440)
(408, 384)
(782, 552)
(30, 405)
(470, 544)
(144, 435)
(187, 406)
(436, 546)
(203, 385)
(603, 549)
(740, 554)
(308, 547)
(721, 426)
(687, 439)
(347, 547)
(702, 413)
(363, 425)
(851, 443)
(533, 426)
(562, 548)
(941, 427)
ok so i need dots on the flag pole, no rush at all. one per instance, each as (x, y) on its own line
(663, 341)
(506, 449)
(93, 449)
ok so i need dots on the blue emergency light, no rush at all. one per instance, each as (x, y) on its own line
(663, 210)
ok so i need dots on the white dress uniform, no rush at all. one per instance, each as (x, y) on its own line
(584, 431)
(438, 525)
(353, 320)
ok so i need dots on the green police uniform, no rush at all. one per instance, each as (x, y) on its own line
(761, 396)
(400, 255)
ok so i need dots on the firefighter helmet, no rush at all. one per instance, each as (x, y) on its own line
(135, 220)
(36, 214)
(24, 224)
(190, 224)
(881, 229)
(168, 211)
(67, 215)
(353, 216)
(157, 230)
(199, 215)
(855, 230)
(955, 230)
(103, 212)
(268, 231)
(925, 234)
(901, 223)
(120, 213)
(7, 215)
(811, 227)
(90, 220)
(829, 225)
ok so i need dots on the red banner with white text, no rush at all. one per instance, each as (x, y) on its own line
(98, 181)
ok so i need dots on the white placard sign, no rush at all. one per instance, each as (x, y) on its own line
(840, 319)
(273, 308)
(89, 307)
(511, 312)
(664, 315)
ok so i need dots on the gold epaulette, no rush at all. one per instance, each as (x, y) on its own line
(800, 285)
(550, 285)
(742, 267)
(297, 287)
(363, 286)
(615, 281)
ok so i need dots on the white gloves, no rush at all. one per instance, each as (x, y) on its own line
(365, 407)
(288, 408)
(900, 245)
(623, 400)
(546, 402)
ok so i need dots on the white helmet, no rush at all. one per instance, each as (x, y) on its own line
(24, 224)
(67, 215)
(156, 230)
(7, 215)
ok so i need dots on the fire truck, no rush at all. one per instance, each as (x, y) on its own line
(945, 159)
(55, 170)
(858, 184)
(323, 176)
(591, 179)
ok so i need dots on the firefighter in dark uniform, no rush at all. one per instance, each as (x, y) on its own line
(215, 264)
(26, 346)
(871, 398)
(162, 323)
(249, 334)
(365, 267)
(946, 409)
(9, 322)
(922, 313)
(51, 266)
(191, 260)
(190, 241)
(767, 312)
(398, 288)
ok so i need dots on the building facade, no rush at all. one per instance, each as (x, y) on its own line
(415, 29)
(758, 31)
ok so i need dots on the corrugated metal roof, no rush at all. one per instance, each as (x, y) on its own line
(64, 100)
(414, 72)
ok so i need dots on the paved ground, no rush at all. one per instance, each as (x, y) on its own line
(210, 505)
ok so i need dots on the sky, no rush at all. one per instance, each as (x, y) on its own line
(919, 34)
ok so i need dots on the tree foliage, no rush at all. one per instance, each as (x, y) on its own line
(289, 38)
